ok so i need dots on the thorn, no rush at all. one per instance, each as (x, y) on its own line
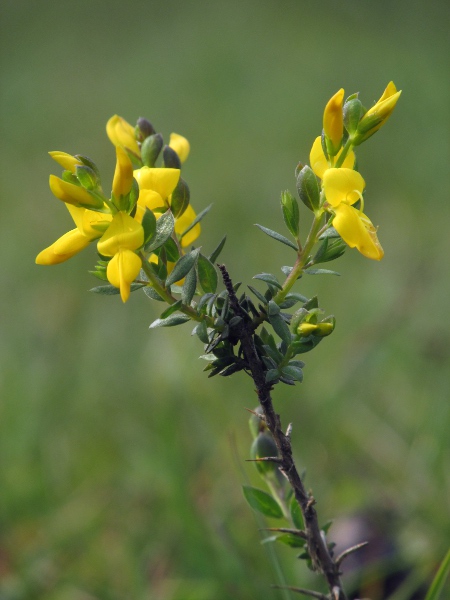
(253, 412)
(310, 502)
(311, 593)
(289, 431)
(296, 532)
(274, 459)
(349, 551)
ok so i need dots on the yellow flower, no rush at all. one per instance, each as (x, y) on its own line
(180, 145)
(67, 161)
(319, 163)
(73, 194)
(377, 116)
(121, 133)
(123, 175)
(183, 222)
(333, 122)
(343, 187)
(160, 180)
(120, 240)
(90, 226)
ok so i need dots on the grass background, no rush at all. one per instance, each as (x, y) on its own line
(121, 463)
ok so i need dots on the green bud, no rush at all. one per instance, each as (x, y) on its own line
(180, 198)
(353, 111)
(308, 188)
(143, 129)
(264, 446)
(87, 177)
(291, 213)
(89, 163)
(150, 149)
(171, 158)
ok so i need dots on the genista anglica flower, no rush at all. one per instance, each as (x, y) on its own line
(67, 161)
(180, 145)
(319, 162)
(122, 238)
(73, 194)
(333, 122)
(121, 133)
(377, 116)
(123, 174)
(343, 188)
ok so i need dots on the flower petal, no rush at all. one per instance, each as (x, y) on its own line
(123, 175)
(357, 231)
(180, 145)
(160, 180)
(67, 161)
(150, 199)
(333, 119)
(342, 185)
(183, 222)
(64, 248)
(73, 194)
(319, 163)
(123, 233)
(122, 270)
(90, 223)
(121, 133)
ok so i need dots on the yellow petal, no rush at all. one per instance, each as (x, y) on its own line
(319, 163)
(64, 248)
(150, 199)
(160, 180)
(90, 223)
(389, 91)
(123, 233)
(123, 175)
(382, 109)
(180, 145)
(121, 133)
(122, 270)
(66, 161)
(342, 185)
(183, 222)
(357, 231)
(72, 194)
(333, 119)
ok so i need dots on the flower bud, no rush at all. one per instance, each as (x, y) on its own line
(377, 116)
(151, 147)
(143, 129)
(121, 133)
(333, 123)
(353, 111)
(264, 446)
(308, 188)
(306, 329)
(291, 214)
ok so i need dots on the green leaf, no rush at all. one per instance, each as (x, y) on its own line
(202, 332)
(268, 278)
(330, 249)
(262, 502)
(329, 233)
(111, 290)
(150, 293)
(320, 272)
(272, 375)
(170, 321)
(180, 198)
(183, 266)
(277, 236)
(207, 274)
(171, 250)
(171, 309)
(171, 160)
(291, 213)
(197, 219)
(281, 328)
(189, 287)
(294, 541)
(308, 188)
(164, 228)
(215, 253)
(296, 513)
(437, 585)
(273, 308)
(293, 372)
(260, 297)
(148, 225)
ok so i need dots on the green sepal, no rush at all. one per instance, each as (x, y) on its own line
(353, 111)
(296, 513)
(171, 309)
(180, 198)
(281, 328)
(183, 266)
(170, 158)
(197, 219)
(164, 228)
(150, 149)
(262, 502)
(69, 177)
(111, 290)
(189, 287)
(291, 213)
(89, 163)
(172, 321)
(207, 274)
(87, 177)
(201, 331)
(277, 236)
(308, 188)
(216, 252)
(268, 278)
(148, 225)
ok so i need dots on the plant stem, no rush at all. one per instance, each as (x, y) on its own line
(317, 547)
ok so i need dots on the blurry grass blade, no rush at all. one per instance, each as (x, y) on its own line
(434, 593)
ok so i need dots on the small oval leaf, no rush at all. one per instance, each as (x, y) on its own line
(262, 502)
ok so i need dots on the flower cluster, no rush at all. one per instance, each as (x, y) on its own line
(122, 222)
(345, 125)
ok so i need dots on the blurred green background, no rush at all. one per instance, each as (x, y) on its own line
(121, 463)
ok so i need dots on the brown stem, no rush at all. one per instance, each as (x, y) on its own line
(317, 547)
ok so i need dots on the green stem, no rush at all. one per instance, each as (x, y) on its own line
(343, 155)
